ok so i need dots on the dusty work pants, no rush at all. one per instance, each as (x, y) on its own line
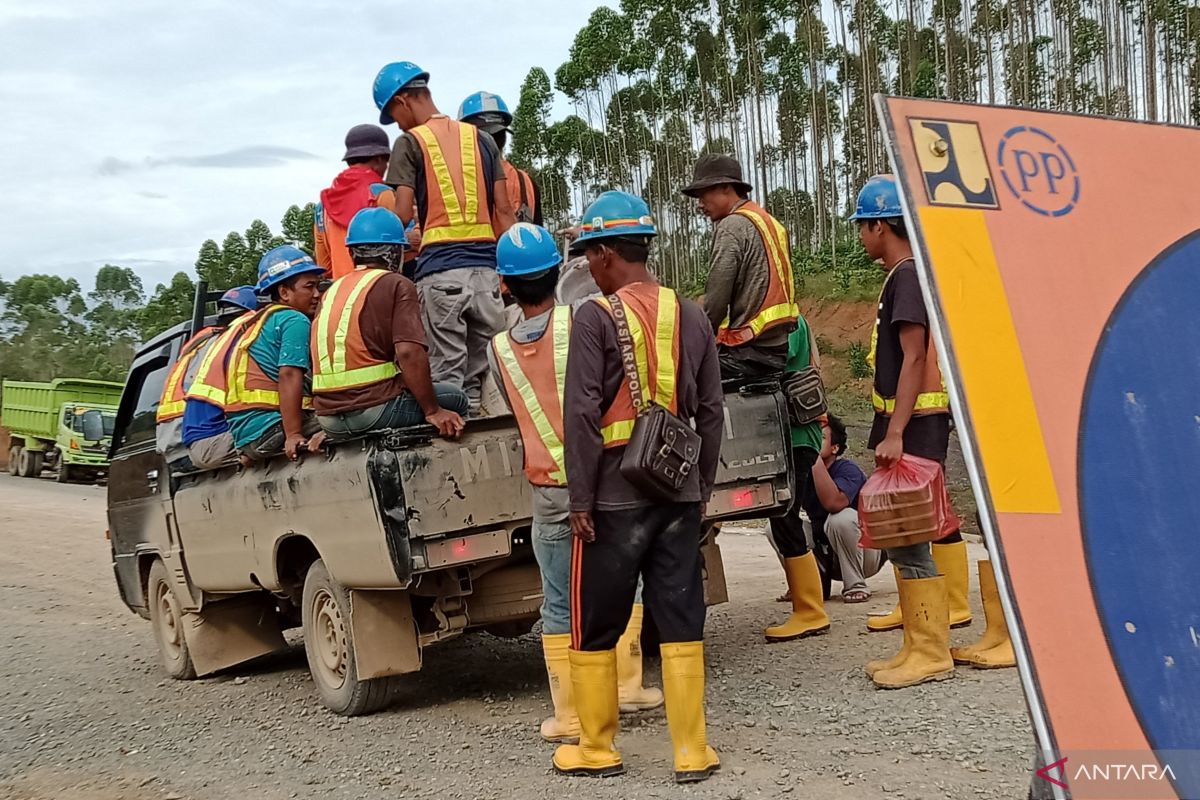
(462, 311)
(787, 532)
(857, 564)
(662, 543)
(402, 411)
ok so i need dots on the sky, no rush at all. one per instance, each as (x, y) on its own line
(134, 130)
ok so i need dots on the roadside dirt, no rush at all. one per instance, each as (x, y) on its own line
(88, 714)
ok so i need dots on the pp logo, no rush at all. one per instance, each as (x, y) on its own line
(953, 164)
(1038, 171)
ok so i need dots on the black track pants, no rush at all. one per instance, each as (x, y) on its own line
(659, 542)
(788, 530)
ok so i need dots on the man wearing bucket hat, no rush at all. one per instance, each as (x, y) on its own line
(490, 114)
(455, 175)
(750, 295)
(366, 157)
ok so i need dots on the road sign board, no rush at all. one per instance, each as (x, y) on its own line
(1060, 259)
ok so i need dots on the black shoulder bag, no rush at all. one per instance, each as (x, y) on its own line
(663, 449)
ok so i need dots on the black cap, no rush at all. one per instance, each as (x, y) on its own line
(366, 141)
(715, 170)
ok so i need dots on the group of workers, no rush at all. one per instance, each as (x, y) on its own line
(399, 339)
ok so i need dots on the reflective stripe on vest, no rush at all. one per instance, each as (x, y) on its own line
(212, 379)
(455, 187)
(933, 398)
(249, 386)
(174, 396)
(657, 356)
(534, 377)
(779, 303)
(340, 358)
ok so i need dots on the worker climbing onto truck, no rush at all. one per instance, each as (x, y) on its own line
(490, 114)
(912, 416)
(530, 362)
(176, 431)
(265, 396)
(370, 369)
(621, 529)
(366, 157)
(455, 175)
(750, 294)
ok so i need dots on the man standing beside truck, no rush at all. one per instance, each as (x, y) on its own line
(370, 369)
(620, 530)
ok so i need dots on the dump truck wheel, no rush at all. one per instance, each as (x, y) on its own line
(64, 472)
(166, 616)
(14, 460)
(329, 645)
(31, 463)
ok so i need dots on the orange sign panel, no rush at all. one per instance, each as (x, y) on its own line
(1060, 258)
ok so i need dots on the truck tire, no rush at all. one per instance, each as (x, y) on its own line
(31, 463)
(64, 472)
(329, 646)
(14, 460)
(166, 617)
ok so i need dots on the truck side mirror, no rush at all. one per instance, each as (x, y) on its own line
(93, 426)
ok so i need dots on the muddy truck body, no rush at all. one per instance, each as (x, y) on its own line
(377, 548)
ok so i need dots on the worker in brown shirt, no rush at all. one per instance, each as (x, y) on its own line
(750, 295)
(370, 368)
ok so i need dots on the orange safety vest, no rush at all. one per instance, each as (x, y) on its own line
(933, 398)
(211, 380)
(456, 187)
(534, 375)
(249, 386)
(340, 357)
(521, 192)
(174, 396)
(653, 315)
(779, 304)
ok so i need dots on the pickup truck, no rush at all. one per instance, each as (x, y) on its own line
(378, 548)
(65, 424)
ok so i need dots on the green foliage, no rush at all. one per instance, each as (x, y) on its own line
(857, 356)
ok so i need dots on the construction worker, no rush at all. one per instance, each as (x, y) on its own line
(266, 399)
(173, 427)
(808, 616)
(489, 113)
(750, 294)
(620, 531)
(455, 175)
(367, 152)
(370, 369)
(912, 415)
(530, 363)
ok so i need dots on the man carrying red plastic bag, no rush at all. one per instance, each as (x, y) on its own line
(912, 419)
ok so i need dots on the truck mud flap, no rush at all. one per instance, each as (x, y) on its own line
(232, 632)
(384, 469)
(385, 634)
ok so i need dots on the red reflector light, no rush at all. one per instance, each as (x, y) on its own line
(743, 498)
(460, 547)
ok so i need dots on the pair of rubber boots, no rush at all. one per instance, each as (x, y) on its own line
(594, 683)
(808, 602)
(951, 561)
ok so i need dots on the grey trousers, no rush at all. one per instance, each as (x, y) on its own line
(212, 452)
(857, 564)
(462, 311)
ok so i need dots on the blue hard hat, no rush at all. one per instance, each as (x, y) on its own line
(281, 263)
(379, 188)
(375, 226)
(615, 214)
(486, 111)
(526, 249)
(240, 297)
(391, 79)
(879, 199)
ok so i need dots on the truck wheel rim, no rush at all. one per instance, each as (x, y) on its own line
(330, 639)
(168, 622)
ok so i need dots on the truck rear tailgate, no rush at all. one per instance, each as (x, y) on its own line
(753, 472)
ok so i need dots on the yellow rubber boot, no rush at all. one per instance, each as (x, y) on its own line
(564, 725)
(895, 661)
(594, 683)
(808, 606)
(683, 683)
(951, 560)
(927, 624)
(891, 620)
(631, 695)
(994, 649)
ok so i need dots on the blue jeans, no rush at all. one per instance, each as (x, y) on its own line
(552, 549)
(402, 411)
(913, 560)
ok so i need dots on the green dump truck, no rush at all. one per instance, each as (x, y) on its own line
(65, 425)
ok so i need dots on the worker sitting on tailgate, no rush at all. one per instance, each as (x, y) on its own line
(489, 113)
(267, 400)
(370, 370)
(367, 152)
(750, 296)
(206, 426)
(455, 174)
(620, 530)
(530, 362)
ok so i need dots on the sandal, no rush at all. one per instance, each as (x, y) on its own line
(786, 597)
(856, 596)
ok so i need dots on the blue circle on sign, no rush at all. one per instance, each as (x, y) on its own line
(1139, 475)
(1038, 171)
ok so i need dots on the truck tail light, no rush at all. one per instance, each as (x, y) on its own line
(743, 498)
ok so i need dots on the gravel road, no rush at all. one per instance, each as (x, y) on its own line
(88, 715)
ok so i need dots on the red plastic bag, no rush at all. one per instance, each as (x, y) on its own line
(905, 504)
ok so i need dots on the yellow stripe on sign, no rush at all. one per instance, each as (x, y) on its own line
(990, 362)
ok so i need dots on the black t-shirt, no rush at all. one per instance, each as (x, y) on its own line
(901, 302)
